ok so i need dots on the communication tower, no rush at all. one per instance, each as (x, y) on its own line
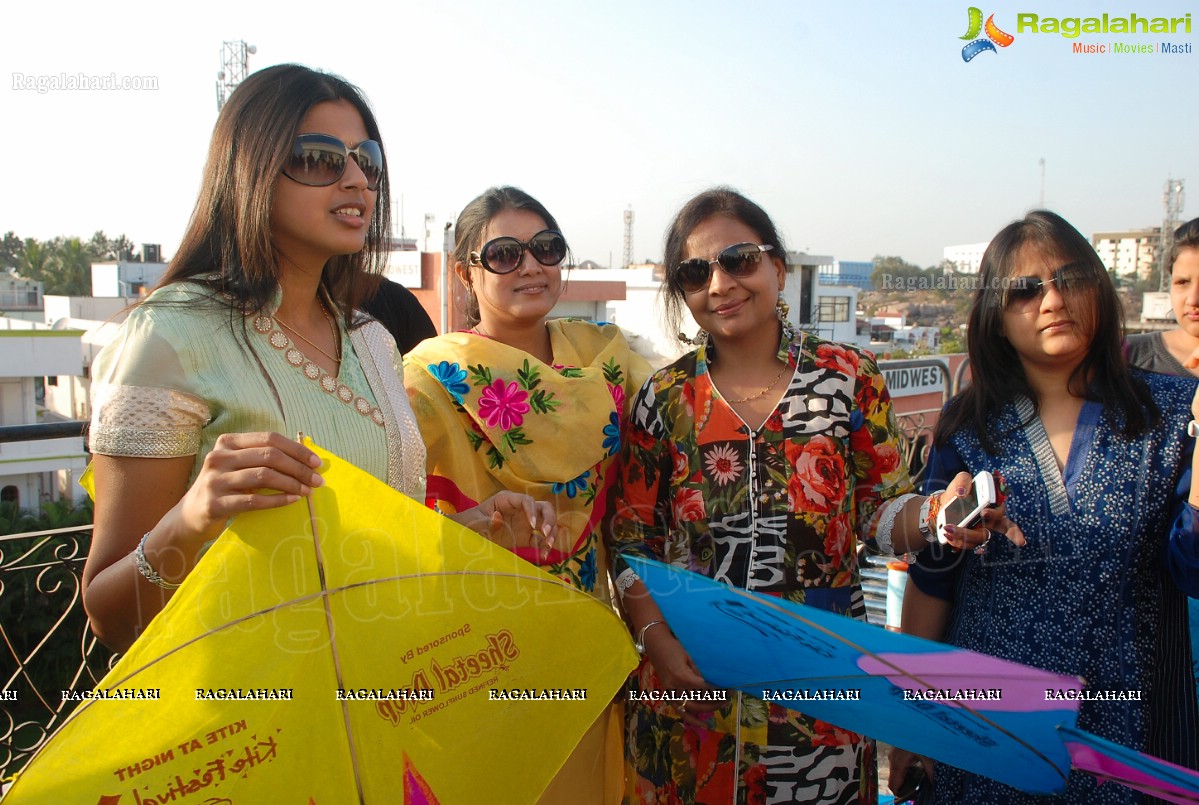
(1173, 199)
(235, 63)
(628, 237)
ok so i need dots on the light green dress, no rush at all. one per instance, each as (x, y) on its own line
(187, 366)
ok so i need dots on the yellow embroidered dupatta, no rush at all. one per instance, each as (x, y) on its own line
(495, 418)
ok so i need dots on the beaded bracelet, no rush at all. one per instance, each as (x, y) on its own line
(143, 566)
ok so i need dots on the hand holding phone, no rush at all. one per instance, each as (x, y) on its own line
(967, 511)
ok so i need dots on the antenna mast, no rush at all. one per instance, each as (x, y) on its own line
(1173, 199)
(235, 64)
(628, 237)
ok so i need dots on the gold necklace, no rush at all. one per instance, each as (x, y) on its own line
(332, 327)
(773, 383)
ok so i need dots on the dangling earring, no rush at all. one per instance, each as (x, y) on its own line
(700, 338)
(783, 311)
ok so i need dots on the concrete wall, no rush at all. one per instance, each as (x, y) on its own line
(90, 308)
(29, 349)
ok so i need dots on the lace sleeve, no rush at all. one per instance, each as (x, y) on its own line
(143, 403)
(145, 422)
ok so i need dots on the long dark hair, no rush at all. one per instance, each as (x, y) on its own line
(472, 223)
(718, 201)
(997, 375)
(229, 234)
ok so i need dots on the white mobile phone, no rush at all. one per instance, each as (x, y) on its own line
(967, 511)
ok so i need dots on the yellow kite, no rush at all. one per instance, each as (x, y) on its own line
(365, 649)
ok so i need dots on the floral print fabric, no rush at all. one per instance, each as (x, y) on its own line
(778, 510)
(494, 418)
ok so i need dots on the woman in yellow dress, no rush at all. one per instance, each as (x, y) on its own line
(526, 404)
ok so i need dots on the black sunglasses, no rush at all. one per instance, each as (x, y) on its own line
(740, 260)
(1068, 278)
(503, 255)
(319, 160)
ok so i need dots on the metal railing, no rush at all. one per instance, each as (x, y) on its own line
(46, 646)
(42, 430)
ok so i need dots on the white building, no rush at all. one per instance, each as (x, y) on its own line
(635, 310)
(827, 311)
(913, 337)
(125, 279)
(1132, 253)
(36, 470)
(968, 258)
(20, 298)
(1156, 306)
(67, 396)
(58, 351)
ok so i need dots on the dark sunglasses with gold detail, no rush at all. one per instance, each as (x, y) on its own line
(740, 260)
(503, 255)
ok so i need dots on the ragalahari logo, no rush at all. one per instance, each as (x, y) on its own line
(993, 37)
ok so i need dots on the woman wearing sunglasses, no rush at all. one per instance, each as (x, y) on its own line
(523, 403)
(252, 334)
(1098, 460)
(759, 460)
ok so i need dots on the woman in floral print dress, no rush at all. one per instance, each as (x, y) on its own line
(524, 404)
(759, 460)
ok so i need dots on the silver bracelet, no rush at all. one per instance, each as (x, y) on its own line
(639, 643)
(886, 522)
(143, 566)
(625, 580)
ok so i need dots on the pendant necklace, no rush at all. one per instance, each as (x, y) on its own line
(332, 327)
(761, 393)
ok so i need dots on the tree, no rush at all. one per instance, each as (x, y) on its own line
(102, 248)
(12, 249)
(892, 273)
(951, 341)
(32, 264)
(62, 265)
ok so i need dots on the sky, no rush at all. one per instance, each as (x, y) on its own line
(856, 124)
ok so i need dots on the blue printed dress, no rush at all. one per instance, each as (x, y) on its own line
(1096, 591)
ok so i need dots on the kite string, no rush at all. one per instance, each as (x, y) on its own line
(345, 707)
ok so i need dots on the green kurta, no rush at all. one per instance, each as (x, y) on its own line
(186, 367)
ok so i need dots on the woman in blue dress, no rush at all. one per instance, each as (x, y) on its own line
(1097, 462)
